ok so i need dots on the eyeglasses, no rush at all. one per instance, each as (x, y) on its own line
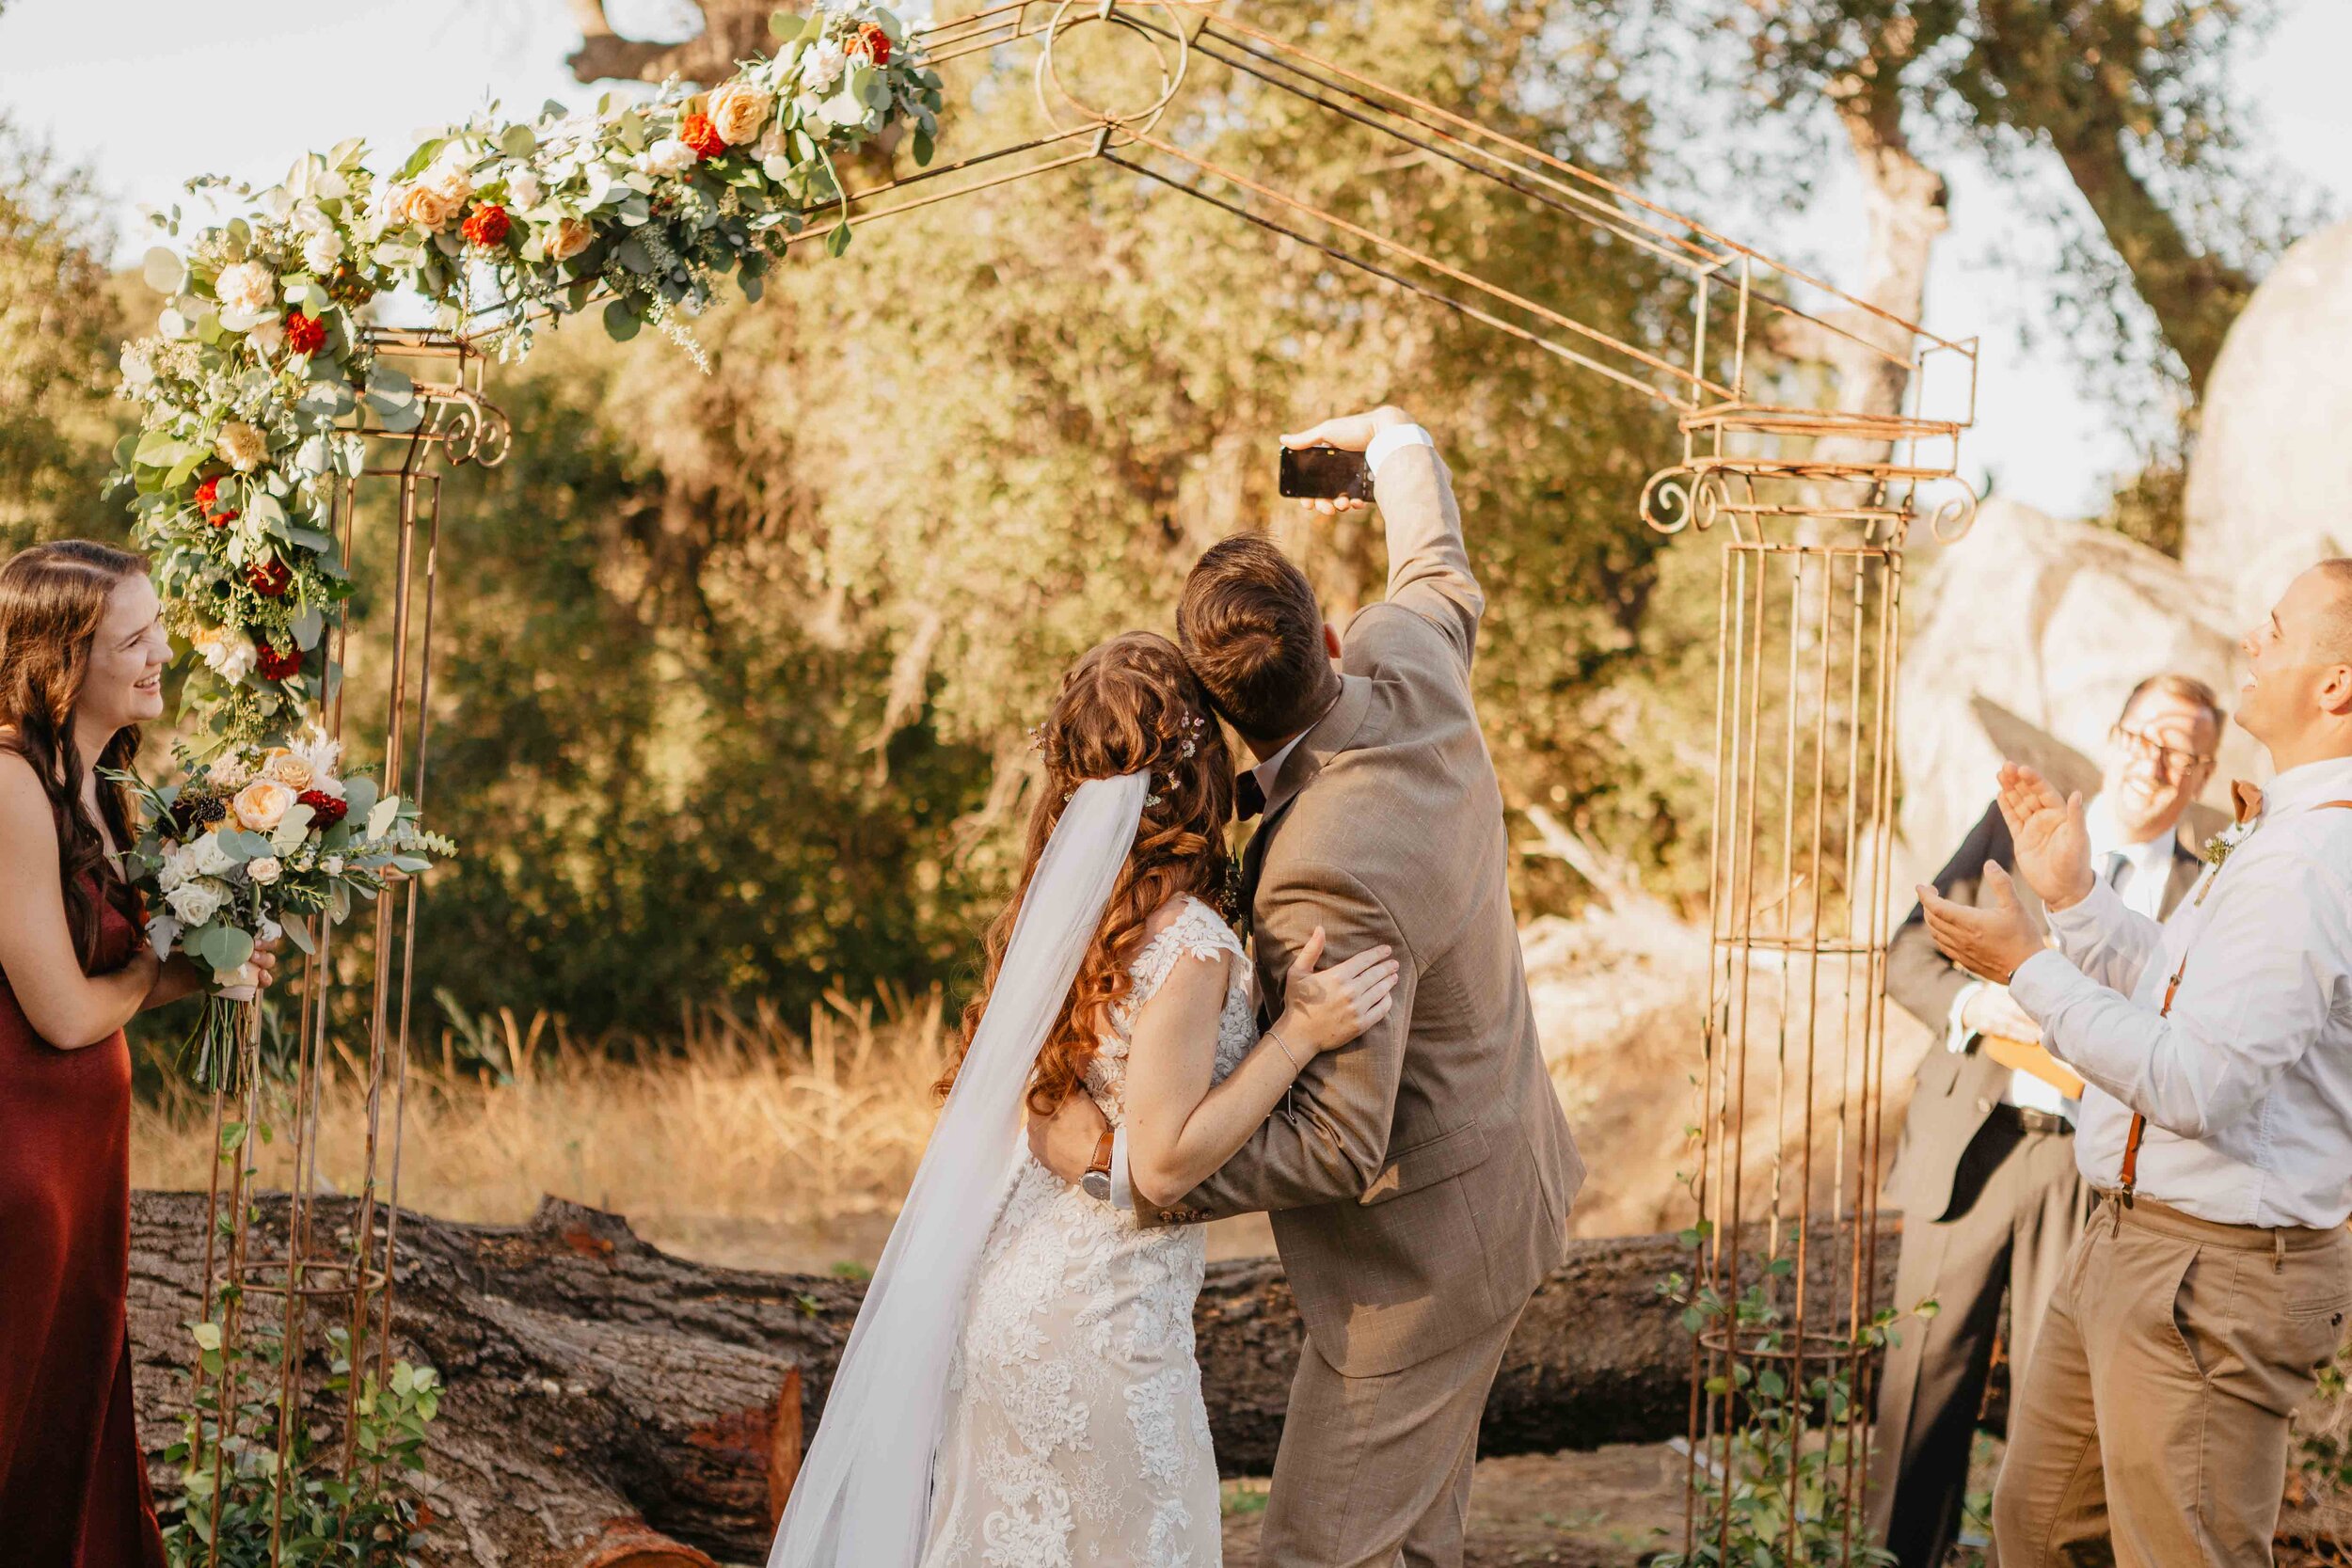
(2175, 762)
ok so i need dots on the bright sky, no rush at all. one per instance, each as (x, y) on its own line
(148, 92)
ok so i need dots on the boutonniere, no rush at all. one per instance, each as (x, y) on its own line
(2217, 849)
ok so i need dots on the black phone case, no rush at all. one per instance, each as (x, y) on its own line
(1323, 474)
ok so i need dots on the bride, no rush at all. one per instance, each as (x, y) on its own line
(1020, 1389)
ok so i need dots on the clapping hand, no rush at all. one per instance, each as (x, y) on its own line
(1987, 940)
(2053, 845)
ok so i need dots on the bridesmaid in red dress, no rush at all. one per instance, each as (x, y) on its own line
(82, 652)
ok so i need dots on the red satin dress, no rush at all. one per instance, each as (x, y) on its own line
(72, 1480)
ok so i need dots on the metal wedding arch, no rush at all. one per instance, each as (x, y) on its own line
(1813, 503)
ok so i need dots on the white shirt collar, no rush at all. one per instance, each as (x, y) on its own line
(1270, 769)
(2148, 858)
(2298, 788)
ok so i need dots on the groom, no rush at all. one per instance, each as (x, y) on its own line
(1420, 1178)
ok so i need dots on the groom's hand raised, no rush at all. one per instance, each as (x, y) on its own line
(1348, 433)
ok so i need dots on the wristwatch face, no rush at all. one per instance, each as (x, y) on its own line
(1096, 1184)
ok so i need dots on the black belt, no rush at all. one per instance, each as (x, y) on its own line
(2025, 1120)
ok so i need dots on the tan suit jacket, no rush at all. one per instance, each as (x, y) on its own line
(1418, 1179)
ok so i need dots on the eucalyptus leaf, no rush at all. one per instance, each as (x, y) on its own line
(620, 322)
(380, 820)
(165, 272)
(516, 141)
(309, 625)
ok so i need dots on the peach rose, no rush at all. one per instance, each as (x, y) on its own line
(425, 207)
(262, 804)
(247, 286)
(737, 111)
(288, 769)
(570, 238)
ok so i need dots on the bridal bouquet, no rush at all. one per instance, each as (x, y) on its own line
(257, 844)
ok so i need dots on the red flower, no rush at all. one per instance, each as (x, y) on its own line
(270, 579)
(487, 226)
(703, 136)
(271, 665)
(872, 43)
(305, 334)
(208, 502)
(325, 809)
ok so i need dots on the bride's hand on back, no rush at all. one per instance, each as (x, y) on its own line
(1325, 1008)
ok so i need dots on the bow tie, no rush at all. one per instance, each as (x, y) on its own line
(2248, 798)
(1248, 795)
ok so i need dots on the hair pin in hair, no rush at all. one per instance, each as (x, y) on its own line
(1193, 725)
(1037, 738)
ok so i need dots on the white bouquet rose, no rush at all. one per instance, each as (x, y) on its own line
(194, 903)
(247, 287)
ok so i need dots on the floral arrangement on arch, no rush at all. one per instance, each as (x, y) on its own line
(259, 372)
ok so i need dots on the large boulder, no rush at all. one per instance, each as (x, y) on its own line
(2270, 485)
(2030, 634)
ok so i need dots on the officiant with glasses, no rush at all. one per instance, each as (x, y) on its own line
(1985, 1174)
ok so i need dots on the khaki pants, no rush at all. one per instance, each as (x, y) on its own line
(2151, 1430)
(2017, 1208)
(1376, 1470)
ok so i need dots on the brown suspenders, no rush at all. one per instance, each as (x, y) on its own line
(2171, 988)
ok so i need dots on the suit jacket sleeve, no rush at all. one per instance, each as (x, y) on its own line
(1430, 570)
(1918, 975)
(1329, 1137)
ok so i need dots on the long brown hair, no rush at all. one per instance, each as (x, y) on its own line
(52, 599)
(1128, 705)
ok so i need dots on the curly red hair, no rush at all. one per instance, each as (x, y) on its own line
(1128, 705)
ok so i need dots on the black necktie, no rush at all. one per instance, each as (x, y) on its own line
(1248, 795)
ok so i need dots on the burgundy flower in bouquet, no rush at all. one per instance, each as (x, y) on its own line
(271, 665)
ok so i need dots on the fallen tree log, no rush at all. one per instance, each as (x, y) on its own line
(609, 1404)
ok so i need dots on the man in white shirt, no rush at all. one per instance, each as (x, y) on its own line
(1985, 1174)
(2215, 1132)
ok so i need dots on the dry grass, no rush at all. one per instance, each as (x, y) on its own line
(745, 1122)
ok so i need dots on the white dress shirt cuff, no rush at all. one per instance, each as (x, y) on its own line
(1122, 1194)
(2080, 923)
(1394, 439)
(1955, 1031)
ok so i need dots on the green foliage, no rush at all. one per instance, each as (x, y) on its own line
(320, 1517)
(1774, 1493)
(59, 322)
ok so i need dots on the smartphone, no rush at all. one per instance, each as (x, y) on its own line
(1324, 473)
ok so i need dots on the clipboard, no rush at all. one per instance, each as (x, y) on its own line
(2033, 1059)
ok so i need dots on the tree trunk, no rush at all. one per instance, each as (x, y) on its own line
(602, 1392)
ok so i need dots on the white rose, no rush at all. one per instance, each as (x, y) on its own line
(665, 157)
(226, 653)
(263, 869)
(240, 446)
(736, 112)
(571, 237)
(523, 189)
(248, 286)
(210, 858)
(821, 65)
(332, 865)
(450, 178)
(267, 336)
(319, 252)
(195, 903)
(179, 869)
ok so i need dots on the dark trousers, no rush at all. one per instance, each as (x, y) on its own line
(2017, 1206)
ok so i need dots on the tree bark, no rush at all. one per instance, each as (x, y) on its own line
(602, 1392)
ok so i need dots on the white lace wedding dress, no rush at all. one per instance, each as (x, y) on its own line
(1075, 1434)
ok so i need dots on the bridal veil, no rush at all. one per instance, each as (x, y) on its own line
(862, 1499)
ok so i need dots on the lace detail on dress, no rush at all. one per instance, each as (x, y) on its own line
(1078, 1437)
